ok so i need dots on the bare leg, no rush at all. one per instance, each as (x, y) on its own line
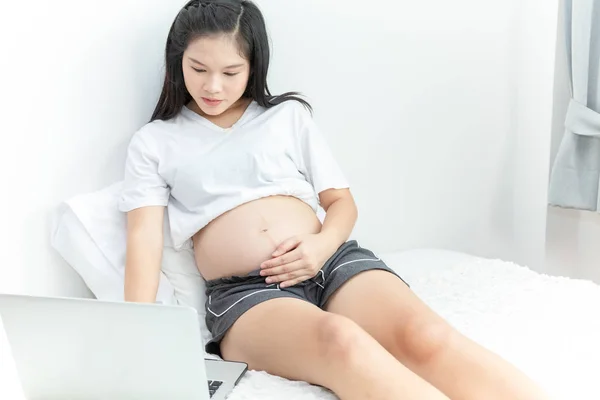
(298, 341)
(388, 310)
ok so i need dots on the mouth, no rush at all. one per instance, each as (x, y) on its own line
(211, 102)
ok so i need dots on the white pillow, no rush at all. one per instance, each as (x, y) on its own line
(90, 233)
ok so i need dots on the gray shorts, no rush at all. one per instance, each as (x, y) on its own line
(229, 298)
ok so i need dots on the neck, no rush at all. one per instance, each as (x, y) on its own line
(228, 117)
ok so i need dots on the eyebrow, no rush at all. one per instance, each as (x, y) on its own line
(230, 66)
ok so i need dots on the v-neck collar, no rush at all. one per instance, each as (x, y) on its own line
(211, 125)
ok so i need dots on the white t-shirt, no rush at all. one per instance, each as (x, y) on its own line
(200, 170)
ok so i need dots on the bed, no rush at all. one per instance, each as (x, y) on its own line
(547, 326)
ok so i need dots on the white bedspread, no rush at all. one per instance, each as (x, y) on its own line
(547, 326)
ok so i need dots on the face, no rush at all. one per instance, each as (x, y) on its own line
(215, 73)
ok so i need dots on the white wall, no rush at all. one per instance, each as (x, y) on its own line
(81, 77)
(572, 236)
(447, 141)
(426, 105)
(534, 38)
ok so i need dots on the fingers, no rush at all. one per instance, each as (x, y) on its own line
(285, 272)
(289, 279)
(286, 258)
(286, 246)
(295, 281)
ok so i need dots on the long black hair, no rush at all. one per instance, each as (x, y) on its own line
(201, 18)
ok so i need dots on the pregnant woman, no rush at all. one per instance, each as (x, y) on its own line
(242, 173)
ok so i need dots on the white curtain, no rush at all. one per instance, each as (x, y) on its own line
(575, 178)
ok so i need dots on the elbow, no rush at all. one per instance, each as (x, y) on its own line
(352, 208)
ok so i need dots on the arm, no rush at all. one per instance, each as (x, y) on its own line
(144, 253)
(340, 218)
(300, 257)
(316, 162)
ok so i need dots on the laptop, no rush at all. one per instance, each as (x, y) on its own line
(89, 349)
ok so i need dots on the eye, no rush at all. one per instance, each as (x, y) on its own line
(231, 73)
(198, 70)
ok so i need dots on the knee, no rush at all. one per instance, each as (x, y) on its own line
(339, 338)
(420, 340)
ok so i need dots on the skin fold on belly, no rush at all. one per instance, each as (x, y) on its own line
(238, 241)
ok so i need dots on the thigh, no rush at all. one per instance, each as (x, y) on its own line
(279, 336)
(385, 307)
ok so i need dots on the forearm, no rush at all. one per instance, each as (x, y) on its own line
(142, 267)
(339, 222)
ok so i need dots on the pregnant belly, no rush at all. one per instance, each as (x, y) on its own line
(238, 241)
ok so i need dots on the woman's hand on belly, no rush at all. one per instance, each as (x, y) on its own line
(297, 259)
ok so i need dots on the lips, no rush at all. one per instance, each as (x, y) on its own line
(211, 102)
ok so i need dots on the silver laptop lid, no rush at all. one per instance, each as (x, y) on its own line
(90, 349)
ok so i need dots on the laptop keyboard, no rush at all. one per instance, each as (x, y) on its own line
(213, 386)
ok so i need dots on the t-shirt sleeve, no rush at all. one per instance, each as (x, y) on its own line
(142, 184)
(317, 162)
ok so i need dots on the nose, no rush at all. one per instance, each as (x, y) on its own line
(213, 84)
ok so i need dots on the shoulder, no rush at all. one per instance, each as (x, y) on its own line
(155, 133)
(295, 107)
(291, 111)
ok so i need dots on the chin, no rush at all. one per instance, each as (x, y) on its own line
(212, 110)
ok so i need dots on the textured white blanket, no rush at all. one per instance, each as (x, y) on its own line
(547, 326)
